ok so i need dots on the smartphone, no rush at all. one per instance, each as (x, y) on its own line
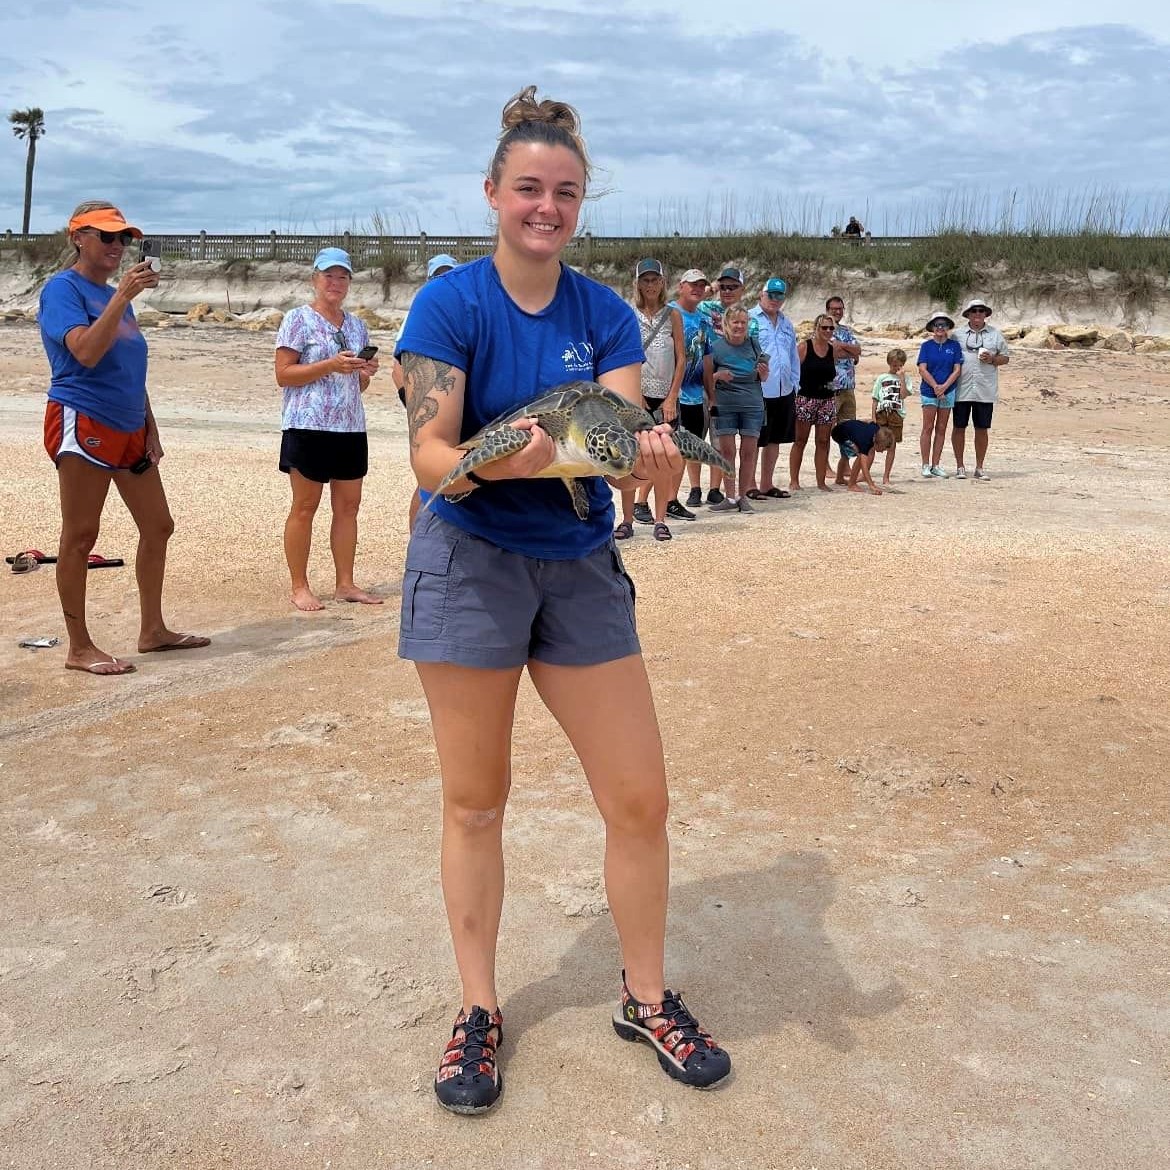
(151, 251)
(143, 465)
(366, 352)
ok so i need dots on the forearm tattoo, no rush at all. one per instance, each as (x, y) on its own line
(425, 380)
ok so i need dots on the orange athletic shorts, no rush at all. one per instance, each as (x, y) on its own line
(69, 433)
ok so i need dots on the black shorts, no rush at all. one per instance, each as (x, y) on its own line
(693, 418)
(979, 412)
(402, 395)
(325, 455)
(779, 420)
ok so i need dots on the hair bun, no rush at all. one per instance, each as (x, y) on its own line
(525, 108)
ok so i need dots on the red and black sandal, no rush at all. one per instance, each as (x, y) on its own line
(468, 1080)
(685, 1050)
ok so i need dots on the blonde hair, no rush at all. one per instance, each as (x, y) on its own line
(548, 122)
(817, 322)
(884, 439)
(737, 310)
(896, 356)
(71, 251)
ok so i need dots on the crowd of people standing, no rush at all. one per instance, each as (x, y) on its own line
(740, 374)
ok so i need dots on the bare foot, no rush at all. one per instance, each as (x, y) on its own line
(169, 640)
(306, 600)
(795, 487)
(353, 593)
(885, 483)
(95, 661)
(840, 482)
(854, 488)
(824, 487)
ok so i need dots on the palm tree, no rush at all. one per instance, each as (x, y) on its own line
(28, 124)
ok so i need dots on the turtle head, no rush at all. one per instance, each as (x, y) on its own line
(611, 447)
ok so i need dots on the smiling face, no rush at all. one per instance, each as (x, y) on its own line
(690, 293)
(98, 258)
(729, 290)
(332, 285)
(977, 315)
(735, 328)
(537, 198)
(836, 310)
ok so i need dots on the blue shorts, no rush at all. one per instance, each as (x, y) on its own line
(930, 399)
(848, 450)
(469, 602)
(747, 422)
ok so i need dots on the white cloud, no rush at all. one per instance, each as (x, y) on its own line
(790, 119)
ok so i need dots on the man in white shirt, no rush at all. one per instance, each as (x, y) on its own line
(984, 351)
(777, 338)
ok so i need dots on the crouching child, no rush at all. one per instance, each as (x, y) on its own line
(860, 442)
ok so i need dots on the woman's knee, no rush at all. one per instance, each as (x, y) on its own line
(79, 540)
(475, 816)
(638, 813)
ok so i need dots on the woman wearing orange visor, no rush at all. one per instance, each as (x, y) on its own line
(99, 428)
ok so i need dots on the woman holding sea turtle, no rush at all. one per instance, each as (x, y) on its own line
(510, 577)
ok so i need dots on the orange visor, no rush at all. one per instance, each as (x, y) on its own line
(108, 219)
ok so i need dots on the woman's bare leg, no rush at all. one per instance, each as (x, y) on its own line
(608, 714)
(83, 488)
(471, 715)
(940, 434)
(821, 456)
(926, 438)
(796, 454)
(298, 536)
(345, 498)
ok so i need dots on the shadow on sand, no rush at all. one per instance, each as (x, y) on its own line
(749, 950)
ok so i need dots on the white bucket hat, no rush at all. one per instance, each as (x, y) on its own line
(976, 303)
(939, 316)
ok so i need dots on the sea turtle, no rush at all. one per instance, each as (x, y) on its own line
(593, 429)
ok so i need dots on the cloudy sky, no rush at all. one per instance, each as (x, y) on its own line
(700, 116)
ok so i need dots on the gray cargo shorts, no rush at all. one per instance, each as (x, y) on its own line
(469, 602)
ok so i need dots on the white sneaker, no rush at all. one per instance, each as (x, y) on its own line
(981, 474)
(961, 473)
(926, 471)
(938, 473)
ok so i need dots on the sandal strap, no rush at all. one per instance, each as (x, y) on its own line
(474, 1051)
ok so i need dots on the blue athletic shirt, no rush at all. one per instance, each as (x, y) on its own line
(510, 357)
(114, 391)
(940, 360)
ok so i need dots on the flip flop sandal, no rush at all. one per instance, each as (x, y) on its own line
(754, 494)
(661, 532)
(186, 642)
(24, 562)
(36, 554)
(100, 562)
(776, 493)
(623, 531)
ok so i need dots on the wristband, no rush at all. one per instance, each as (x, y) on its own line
(479, 481)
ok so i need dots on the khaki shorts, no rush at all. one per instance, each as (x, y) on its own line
(893, 420)
(846, 405)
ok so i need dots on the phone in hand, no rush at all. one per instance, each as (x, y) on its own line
(366, 352)
(151, 251)
(143, 465)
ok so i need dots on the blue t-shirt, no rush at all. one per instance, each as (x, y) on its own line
(510, 357)
(939, 360)
(744, 391)
(697, 338)
(860, 434)
(114, 391)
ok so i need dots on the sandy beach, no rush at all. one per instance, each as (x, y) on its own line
(920, 826)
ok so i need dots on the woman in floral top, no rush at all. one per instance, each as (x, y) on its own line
(324, 425)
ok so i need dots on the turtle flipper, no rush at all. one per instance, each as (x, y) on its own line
(580, 497)
(493, 446)
(695, 450)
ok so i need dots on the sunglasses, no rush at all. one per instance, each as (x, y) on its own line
(774, 296)
(339, 337)
(826, 328)
(730, 287)
(123, 238)
(974, 341)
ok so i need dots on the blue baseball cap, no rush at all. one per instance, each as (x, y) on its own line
(442, 260)
(332, 258)
(777, 286)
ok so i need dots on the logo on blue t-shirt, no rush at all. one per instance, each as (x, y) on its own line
(578, 358)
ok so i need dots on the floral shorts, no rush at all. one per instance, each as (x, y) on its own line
(817, 412)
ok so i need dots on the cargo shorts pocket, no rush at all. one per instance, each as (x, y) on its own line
(619, 567)
(425, 586)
